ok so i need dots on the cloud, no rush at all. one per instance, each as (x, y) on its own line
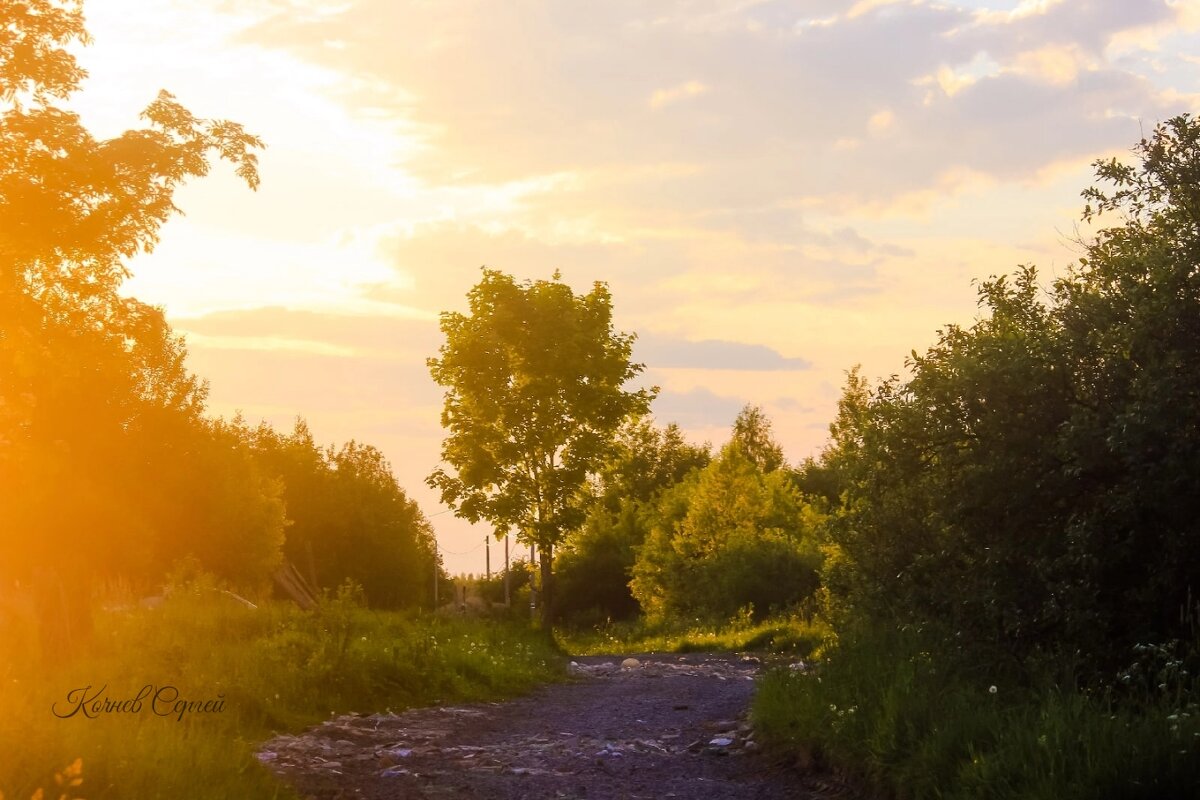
(664, 352)
(697, 409)
(316, 332)
(684, 91)
(783, 98)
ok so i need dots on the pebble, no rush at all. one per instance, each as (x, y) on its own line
(379, 742)
(394, 772)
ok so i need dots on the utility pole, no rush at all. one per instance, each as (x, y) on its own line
(487, 550)
(435, 574)
(532, 589)
(507, 599)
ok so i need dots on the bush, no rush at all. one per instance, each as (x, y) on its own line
(728, 537)
(918, 726)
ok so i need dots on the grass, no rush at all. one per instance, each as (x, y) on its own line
(881, 708)
(794, 635)
(275, 668)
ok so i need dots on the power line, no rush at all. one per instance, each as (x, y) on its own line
(464, 552)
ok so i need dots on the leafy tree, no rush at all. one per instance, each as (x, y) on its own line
(534, 378)
(85, 374)
(1032, 488)
(729, 536)
(644, 461)
(592, 569)
(594, 566)
(348, 518)
(752, 433)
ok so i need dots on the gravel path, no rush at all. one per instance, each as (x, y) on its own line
(667, 727)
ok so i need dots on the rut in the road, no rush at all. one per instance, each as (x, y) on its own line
(671, 726)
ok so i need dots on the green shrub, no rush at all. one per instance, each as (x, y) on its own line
(277, 668)
(917, 726)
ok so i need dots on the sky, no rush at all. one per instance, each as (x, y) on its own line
(773, 191)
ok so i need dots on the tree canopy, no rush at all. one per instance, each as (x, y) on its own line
(736, 534)
(1034, 486)
(109, 468)
(535, 378)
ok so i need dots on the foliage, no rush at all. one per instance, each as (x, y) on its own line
(594, 565)
(348, 518)
(592, 569)
(534, 378)
(108, 468)
(729, 536)
(645, 460)
(279, 669)
(519, 573)
(1033, 487)
(795, 635)
(91, 382)
(884, 708)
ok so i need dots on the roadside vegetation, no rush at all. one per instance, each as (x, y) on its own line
(274, 669)
(1011, 548)
(990, 573)
(995, 553)
(792, 635)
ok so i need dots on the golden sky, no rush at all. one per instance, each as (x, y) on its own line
(774, 191)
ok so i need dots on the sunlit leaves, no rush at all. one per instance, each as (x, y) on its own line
(535, 378)
(730, 535)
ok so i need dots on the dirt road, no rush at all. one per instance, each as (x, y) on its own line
(669, 727)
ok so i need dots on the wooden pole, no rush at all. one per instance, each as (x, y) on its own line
(532, 589)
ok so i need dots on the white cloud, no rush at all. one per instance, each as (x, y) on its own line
(684, 91)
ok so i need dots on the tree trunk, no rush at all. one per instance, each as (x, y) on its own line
(547, 559)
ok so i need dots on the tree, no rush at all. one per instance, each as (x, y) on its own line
(752, 433)
(1033, 488)
(730, 535)
(645, 461)
(348, 518)
(594, 566)
(534, 377)
(84, 372)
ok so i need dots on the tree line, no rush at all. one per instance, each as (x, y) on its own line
(1028, 490)
(109, 467)
(547, 442)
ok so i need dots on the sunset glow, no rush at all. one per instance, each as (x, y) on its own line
(774, 192)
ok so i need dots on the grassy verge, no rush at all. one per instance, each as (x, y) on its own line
(880, 708)
(275, 669)
(794, 635)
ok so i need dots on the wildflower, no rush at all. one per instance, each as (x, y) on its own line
(992, 689)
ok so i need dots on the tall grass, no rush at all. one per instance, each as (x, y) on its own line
(795, 635)
(275, 668)
(882, 708)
